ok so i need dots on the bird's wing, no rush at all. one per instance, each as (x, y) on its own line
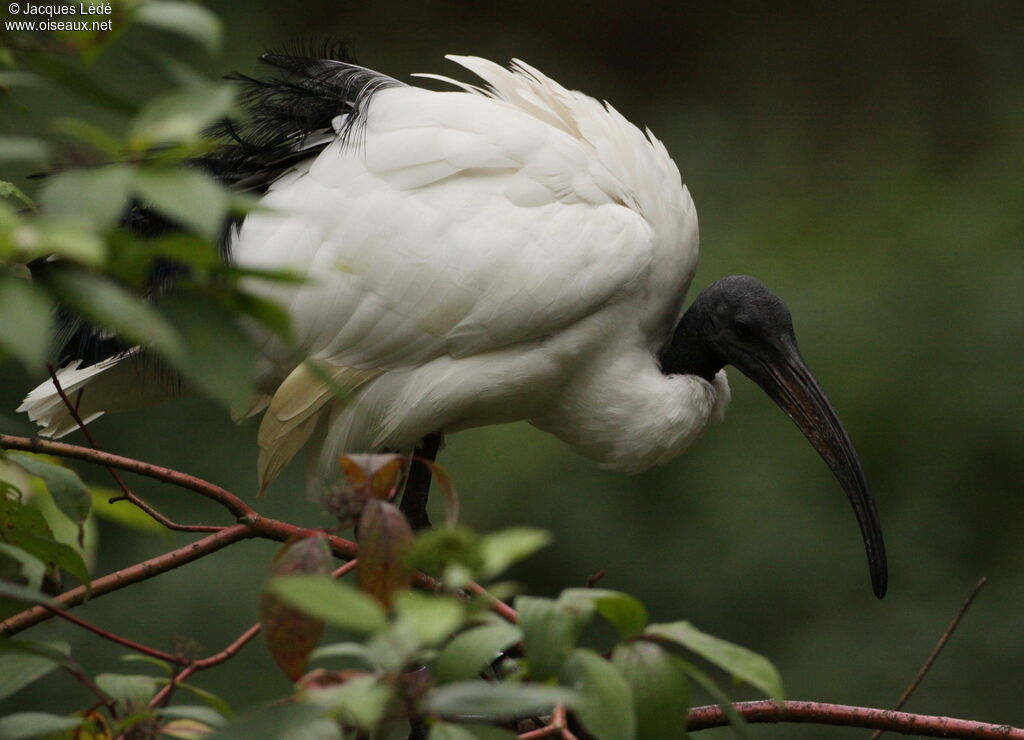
(455, 226)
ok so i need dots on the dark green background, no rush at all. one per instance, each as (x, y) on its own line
(865, 160)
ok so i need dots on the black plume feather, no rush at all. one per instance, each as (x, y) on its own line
(291, 115)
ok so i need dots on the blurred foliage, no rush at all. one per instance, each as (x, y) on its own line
(864, 162)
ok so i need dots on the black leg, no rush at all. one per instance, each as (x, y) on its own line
(417, 487)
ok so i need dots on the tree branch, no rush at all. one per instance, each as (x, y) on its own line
(228, 500)
(107, 635)
(250, 525)
(943, 639)
(703, 718)
(127, 576)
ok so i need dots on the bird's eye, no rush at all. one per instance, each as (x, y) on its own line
(743, 329)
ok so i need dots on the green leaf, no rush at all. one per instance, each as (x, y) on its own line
(393, 649)
(12, 191)
(360, 701)
(624, 612)
(206, 715)
(182, 115)
(448, 731)
(19, 592)
(187, 196)
(290, 634)
(97, 196)
(70, 241)
(13, 148)
(343, 650)
(24, 527)
(111, 306)
(211, 699)
(133, 692)
(268, 313)
(185, 19)
(293, 722)
(25, 725)
(704, 681)
(431, 617)
(743, 664)
(336, 603)
(23, 662)
(218, 356)
(501, 549)
(11, 78)
(464, 657)
(437, 550)
(659, 688)
(606, 703)
(25, 325)
(122, 512)
(95, 136)
(495, 701)
(31, 568)
(550, 631)
(163, 665)
(67, 489)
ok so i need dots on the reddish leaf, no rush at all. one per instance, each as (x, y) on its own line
(366, 477)
(384, 540)
(290, 634)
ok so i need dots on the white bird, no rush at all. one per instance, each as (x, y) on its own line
(477, 256)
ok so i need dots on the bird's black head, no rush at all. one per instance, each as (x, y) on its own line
(735, 321)
(738, 321)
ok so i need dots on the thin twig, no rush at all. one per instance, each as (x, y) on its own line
(558, 725)
(497, 605)
(943, 639)
(127, 576)
(228, 500)
(165, 693)
(126, 493)
(250, 525)
(83, 678)
(123, 641)
(348, 567)
(812, 712)
(200, 665)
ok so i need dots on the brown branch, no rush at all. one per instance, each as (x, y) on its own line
(559, 725)
(943, 639)
(228, 500)
(165, 693)
(123, 641)
(497, 605)
(127, 576)
(76, 671)
(126, 493)
(259, 527)
(703, 718)
(199, 665)
(250, 525)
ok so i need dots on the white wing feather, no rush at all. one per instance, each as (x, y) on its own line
(459, 225)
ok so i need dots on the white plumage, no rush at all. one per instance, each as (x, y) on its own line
(475, 257)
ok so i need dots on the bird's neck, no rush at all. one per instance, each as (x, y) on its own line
(688, 352)
(628, 415)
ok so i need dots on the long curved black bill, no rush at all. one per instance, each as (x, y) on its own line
(792, 386)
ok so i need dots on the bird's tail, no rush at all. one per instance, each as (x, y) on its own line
(118, 384)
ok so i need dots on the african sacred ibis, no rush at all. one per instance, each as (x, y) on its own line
(476, 256)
